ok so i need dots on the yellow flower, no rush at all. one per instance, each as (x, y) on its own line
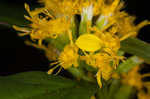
(110, 8)
(118, 22)
(98, 77)
(104, 67)
(102, 51)
(71, 7)
(42, 28)
(125, 25)
(105, 73)
(66, 59)
(69, 56)
(135, 79)
(101, 61)
(143, 95)
(60, 8)
(94, 4)
(100, 41)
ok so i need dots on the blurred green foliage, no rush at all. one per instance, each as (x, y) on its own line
(39, 85)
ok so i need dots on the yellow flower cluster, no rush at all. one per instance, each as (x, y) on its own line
(135, 79)
(99, 44)
(44, 27)
(69, 56)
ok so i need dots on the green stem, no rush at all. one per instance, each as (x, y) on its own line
(78, 73)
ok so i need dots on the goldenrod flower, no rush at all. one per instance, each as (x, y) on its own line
(143, 95)
(125, 25)
(107, 46)
(60, 8)
(42, 28)
(121, 22)
(69, 57)
(101, 61)
(89, 8)
(98, 41)
(109, 9)
(134, 78)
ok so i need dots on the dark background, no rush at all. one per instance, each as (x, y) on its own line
(16, 57)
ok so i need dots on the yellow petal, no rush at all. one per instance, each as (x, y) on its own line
(98, 76)
(21, 29)
(50, 71)
(27, 7)
(88, 42)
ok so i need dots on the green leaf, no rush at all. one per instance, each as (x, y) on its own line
(129, 64)
(136, 47)
(103, 93)
(109, 90)
(125, 92)
(80, 74)
(39, 85)
(115, 90)
(114, 87)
